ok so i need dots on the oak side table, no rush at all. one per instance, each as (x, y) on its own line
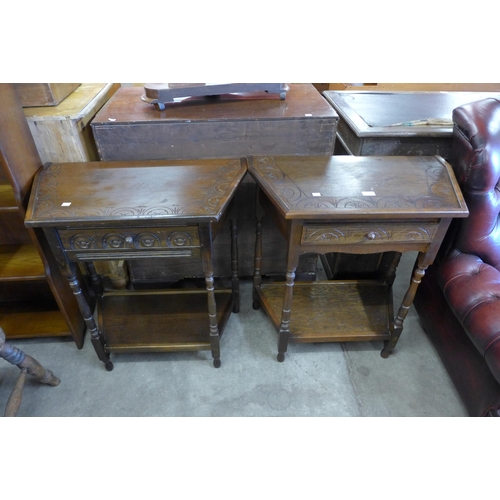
(97, 211)
(358, 205)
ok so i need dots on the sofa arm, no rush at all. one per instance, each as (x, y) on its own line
(472, 290)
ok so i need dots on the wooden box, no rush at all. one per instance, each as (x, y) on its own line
(234, 125)
(62, 133)
(43, 94)
(415, 87)
(397, 123)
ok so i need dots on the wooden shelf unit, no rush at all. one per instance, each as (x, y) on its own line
(27, 306)
(35, 299)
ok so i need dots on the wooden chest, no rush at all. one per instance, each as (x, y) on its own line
(397, 123)
(43, 94)
(62, 133)
(232, 125)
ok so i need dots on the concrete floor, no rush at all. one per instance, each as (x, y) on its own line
(315, 380)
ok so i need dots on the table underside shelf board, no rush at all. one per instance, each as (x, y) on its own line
(160, 320)
(357, 310)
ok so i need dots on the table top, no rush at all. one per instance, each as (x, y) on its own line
(401, 113)
(128, 193)
(303, 102)
(353, 187)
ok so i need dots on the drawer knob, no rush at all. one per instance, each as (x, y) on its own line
(129, 239)
(371, 236)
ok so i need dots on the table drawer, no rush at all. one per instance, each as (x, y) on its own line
(369, 233)
(120, 242)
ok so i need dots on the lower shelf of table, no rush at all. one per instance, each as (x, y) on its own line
(334, 311)
(148, 321)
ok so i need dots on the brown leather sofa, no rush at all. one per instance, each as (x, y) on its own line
(458, 300)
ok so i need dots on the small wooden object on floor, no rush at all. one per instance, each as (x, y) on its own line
(28, 366)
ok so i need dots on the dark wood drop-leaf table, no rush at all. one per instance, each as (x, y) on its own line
(96, 211)
(357, 205)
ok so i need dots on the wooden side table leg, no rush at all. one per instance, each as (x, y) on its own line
(257, 274)
(393, 263)
(418, 274)
(235, 278)
(284, 330)
(69, 270)
(206, 244)
(94, 277)
(95, 335)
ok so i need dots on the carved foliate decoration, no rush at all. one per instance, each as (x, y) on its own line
(297, 199)
(209, 204)
(348, 235)
(113, 240)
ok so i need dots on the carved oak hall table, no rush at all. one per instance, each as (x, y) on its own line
(149, 209)
(358, 205)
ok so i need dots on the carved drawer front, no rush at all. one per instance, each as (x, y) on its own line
(368, 233)
(131, 242)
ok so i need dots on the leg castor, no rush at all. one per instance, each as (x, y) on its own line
(108, 365)
(217, 363)
(236, 308)
(281, 357)
(384, 353)
(256, 305)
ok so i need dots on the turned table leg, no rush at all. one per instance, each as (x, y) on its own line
(284, 330)
(96, 336)
(235, 278)
(418, 274)
(69, 270)
(206, 243)
(257, 273)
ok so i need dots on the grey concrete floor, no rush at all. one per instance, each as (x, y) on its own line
(315, 380)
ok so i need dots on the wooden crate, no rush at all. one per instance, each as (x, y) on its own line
(62, 133)
(43, 94)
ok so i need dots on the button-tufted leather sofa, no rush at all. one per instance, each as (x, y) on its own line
(458, 300)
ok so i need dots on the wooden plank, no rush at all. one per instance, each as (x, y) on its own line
(7, 198)
(20, 262)
(43, 94)
(62, 133)
(43, 320)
